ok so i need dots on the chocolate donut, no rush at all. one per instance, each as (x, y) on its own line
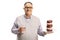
(49, 30)
(49, 26)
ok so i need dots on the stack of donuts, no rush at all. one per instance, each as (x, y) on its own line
(49, 26)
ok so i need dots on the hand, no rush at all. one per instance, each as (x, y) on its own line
(48, 32)
(22, 29)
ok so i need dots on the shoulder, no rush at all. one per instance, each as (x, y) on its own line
(19, 17)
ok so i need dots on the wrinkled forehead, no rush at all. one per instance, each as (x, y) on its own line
(28, 5)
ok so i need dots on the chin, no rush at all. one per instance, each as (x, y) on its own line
(28, 13)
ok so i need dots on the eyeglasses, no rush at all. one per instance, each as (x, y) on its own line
(29, 7)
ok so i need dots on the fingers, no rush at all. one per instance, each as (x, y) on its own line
(22, 29)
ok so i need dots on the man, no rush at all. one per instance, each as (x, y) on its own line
(27, 26)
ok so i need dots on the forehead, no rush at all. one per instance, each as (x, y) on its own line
(28, 5)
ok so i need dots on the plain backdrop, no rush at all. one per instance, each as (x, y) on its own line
(43, 9)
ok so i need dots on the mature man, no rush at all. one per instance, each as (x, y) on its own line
(27, 26)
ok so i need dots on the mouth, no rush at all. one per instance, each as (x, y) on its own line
(27, 10)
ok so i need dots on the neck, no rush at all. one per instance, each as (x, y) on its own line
(27, 16)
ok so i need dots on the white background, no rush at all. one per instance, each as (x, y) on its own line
(43, 9)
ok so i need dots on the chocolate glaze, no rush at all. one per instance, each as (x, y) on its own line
(49, 26)
(49, 21)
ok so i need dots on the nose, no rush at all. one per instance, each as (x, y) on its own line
(27, 9)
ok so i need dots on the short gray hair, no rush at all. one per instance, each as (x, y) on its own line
(28, 2)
